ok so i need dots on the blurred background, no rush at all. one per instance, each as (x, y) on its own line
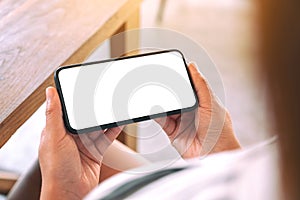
(226, 29)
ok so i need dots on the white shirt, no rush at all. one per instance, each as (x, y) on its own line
(250, 173)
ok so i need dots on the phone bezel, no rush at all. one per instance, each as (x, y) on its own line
(124, 122)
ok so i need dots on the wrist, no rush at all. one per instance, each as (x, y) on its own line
(52, 190)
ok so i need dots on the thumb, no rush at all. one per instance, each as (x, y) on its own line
(202, 87)
(54, 122)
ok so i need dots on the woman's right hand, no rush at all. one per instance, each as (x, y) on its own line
(207, 129)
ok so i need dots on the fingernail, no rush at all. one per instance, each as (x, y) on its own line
(49, 95)
(193, 63)
(196, 66)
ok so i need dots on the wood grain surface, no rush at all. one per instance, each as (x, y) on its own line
(37, 36)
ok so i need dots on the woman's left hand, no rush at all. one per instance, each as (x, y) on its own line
(70, 165)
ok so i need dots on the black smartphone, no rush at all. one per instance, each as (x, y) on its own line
(114, 92)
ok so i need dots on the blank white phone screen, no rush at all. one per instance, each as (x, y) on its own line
(109, 92)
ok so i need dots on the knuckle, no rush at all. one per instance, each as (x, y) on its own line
(49, 112)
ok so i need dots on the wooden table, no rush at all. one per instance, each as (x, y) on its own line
(37, 36)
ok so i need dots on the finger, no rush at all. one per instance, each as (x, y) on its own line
(54, 122)
(96, 142)
(175, 117)
(201, 85)
(160, 120)
(168, 124)
(107, 136)
(95, 134)
(113, 133)
(86, 145)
